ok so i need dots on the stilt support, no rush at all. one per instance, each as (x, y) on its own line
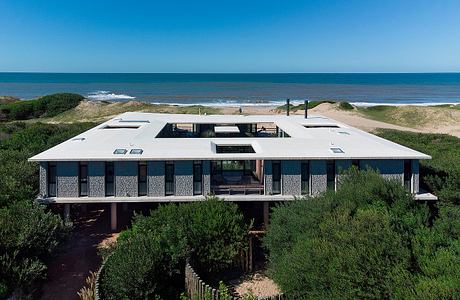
(266, 213)
(113, 216)
(67, 212)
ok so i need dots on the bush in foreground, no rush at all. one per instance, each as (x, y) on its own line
(28, 235)
(368, 240)
(28, 232)
(148, 260)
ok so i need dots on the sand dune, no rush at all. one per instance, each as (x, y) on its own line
(408, 118)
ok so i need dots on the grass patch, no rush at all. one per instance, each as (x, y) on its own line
(405, 116)
(92, 111)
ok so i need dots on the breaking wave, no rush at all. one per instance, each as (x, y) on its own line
(105, 95)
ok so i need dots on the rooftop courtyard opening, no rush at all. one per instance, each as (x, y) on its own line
(232, 177)
(222, 130)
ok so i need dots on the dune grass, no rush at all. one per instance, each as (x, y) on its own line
(89, 111)
(411, 116)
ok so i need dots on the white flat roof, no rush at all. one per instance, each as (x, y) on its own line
(226, 129)
(316, 142)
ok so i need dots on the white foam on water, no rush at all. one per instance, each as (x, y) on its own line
(231, 103)
(369, 104)
(106, 95)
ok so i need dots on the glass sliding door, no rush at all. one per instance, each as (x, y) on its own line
(51, 180)
(305, 178)
(169, 178)
(330, 171)
(83, 179)
(276, 175)
(109, 179)
(197, 178)
(142, 179)
(408, 175)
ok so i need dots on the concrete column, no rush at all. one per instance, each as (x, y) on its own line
(67, 212)
(113, 216)
(266, 213)
(259, 170)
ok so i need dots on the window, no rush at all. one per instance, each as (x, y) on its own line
(142, 179)
(197, 178)
(83, 179)
(355, 163)
(109, 179)
(51, 180)
(276, 173)
(330, 171)
(408, 175)
(169, 178)
(305, 178)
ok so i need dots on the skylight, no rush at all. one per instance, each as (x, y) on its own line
(121, 127)
(321, 126)
(78, 139)
(120, 151)
(134, 121)
(136, 151)
(234, 149)
(337, 150)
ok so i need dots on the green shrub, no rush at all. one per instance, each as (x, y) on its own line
(28, 235)
(216, 233)
(355, 243)
(354, 257)
(137, 269)
(46, 106)
(440, 174)
(19, 178)
(345, 105)
(152, 253)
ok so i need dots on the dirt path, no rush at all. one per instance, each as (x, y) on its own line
(67, 272)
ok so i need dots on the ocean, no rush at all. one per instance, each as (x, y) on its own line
(241, 89)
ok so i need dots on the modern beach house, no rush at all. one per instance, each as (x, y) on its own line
(147, 157)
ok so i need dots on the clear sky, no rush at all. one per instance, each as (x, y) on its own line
(230, 36)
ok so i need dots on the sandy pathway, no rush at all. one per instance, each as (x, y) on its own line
(67, 271)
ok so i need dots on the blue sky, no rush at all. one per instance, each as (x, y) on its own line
(230, 36)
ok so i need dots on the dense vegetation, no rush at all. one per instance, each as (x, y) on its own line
(440, 174)
(28, 233)
(148, 259)
(46, 106)
(368, 240)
